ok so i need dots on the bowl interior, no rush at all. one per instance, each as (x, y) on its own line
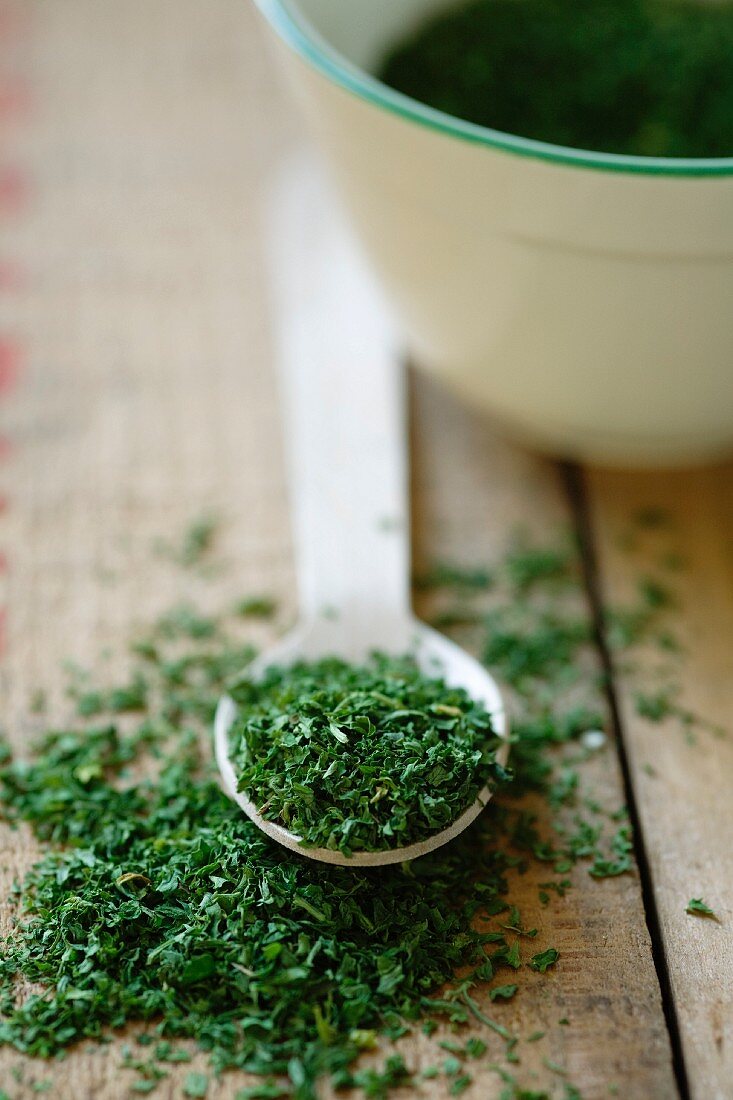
(346, 39)
(362, 30)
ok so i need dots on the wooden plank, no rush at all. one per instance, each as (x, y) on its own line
(682, 784)
(471, 489)
(147, 397)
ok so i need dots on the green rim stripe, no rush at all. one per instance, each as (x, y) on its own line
(299, 35)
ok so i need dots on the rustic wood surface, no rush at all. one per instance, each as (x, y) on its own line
(136, 142)
(682, 779)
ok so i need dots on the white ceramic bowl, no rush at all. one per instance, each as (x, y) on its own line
(584, 298)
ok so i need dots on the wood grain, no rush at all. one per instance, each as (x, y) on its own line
(148, 398)
(471, 489)
(683, 785)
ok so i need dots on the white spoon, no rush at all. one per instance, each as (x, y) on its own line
(345, 419)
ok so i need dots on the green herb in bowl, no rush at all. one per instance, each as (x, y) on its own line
(643, 77)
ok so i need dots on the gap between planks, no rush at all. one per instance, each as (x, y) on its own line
(681, 784)
(575, 488)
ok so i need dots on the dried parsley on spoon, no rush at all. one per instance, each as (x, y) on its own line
(361, 757)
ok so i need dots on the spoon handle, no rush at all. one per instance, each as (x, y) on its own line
(343, 386)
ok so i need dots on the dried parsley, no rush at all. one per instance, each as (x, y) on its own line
(198, 540)
(256, 607)
(696, 907)
(544, 959)
(449, 575)
(645, 77)
(196, 1085)
(505, 992)
(195, 545)
(361, 757)
(159, 900)
(156, 901)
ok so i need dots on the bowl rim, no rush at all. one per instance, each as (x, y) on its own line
(295, 30)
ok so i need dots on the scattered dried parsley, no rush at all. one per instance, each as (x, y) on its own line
(456, 577)
(696, 907)
(198, 540)
(156, 901)
(256, 607)
(196, 1085)
(361, 757)
(159, 901)
(542, 961)
(195, 545)
(503, 992)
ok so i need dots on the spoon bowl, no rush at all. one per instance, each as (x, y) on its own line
(435, 655)
(344, 402)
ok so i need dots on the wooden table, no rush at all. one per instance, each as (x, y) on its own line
(136, 390)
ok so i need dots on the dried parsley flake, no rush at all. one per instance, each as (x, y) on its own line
(696, 907)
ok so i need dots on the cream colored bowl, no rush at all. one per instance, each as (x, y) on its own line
(584, 298)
